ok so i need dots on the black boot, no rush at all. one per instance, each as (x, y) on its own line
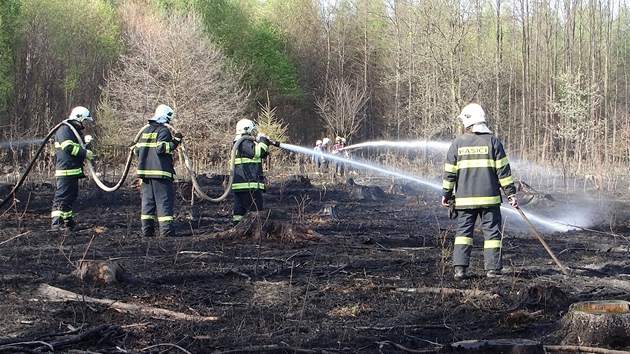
(148, 228)
(166, 229)
(70, 223)
(57, 223)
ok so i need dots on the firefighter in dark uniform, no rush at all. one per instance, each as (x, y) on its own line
(249, 181)
(476, 170)
(69, 167)
(154, 149)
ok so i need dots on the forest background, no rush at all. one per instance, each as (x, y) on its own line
(552, 75)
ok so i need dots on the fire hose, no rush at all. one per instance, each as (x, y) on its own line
(542, 241)
(192, 174)
(100, 184)
(89, 163)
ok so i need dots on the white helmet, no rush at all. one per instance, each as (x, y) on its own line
(318, 142)
(164, 111)
(325, 141)
(245, 126)
(80, 114)
(472, 114)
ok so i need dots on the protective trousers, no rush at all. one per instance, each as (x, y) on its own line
(339, 168)
(247, 200)
(66, 194)
(158, 198)
(490, 222)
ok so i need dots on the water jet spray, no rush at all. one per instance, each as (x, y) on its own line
(553, 225)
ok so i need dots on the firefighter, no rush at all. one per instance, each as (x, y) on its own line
(69, 167)
(249, 181)
(476, 170)
(340, 143)
(317, 156)
(324, 150)
(155, 149)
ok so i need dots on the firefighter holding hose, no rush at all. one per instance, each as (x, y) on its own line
(155, 149)
(248, 183)
(69, 167)
(476, 171)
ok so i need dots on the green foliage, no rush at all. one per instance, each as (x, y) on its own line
(9, 32)
(271, 67)
(167, 6)
(225, 21)
(89, 35)
(254, 44)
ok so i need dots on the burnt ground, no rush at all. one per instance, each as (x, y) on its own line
(379, 280)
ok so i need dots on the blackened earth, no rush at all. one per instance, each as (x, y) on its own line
(380, 280)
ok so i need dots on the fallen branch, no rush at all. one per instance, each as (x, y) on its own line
(446, 291)
(408, 350)
(275, 348)
(578, 348)
(14, 237)
(39, 345)
(57, 294)
(165, 345)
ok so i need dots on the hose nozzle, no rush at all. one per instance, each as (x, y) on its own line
(275, 143)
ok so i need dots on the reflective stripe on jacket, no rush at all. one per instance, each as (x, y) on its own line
(69, 152)
(476, 170)
(248, 171)
(155, 152)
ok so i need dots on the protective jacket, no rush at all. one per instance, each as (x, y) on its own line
(476, 170)
(248, 170)
(155, 152)
(70, 154)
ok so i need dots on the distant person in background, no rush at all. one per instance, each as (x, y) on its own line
(476, 170)
(248, 183)
(340, 143)
(69, 167)
(325, 161)
(155, 168)
(317, 156)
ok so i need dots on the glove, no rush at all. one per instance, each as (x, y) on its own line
(262, 138)
(89, 155)
(513, 200)
(178, 137)
(88, 139)
(450, 203)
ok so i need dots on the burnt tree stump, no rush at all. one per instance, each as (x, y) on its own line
(102, 272)
(597, 323)
(261, 226)
(329, 210)
(496, 346)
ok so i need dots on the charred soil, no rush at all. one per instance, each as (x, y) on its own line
(374, 273)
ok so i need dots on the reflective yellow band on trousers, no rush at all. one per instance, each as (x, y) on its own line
(463, 240)
(492, 244)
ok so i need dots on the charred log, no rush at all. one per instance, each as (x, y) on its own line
(496, 346)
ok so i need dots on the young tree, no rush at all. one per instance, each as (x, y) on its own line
(171, 61)
(340, 109)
